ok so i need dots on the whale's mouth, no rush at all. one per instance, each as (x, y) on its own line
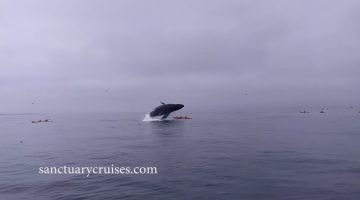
(179, 106)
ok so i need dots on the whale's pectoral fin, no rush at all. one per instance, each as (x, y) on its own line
(165, 116)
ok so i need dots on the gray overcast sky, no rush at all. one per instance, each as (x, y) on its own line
(64, 55)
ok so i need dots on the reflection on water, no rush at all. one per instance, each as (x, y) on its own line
(168, 127)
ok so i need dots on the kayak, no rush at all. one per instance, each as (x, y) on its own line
(181, 117)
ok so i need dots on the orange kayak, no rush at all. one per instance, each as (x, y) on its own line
(181, 117)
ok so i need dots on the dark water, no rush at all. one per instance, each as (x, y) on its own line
(250, 155)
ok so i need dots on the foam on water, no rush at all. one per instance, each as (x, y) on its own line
(151, 119)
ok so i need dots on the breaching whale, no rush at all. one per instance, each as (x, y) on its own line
(165, 109)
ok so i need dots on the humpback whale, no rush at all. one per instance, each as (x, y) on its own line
(164, 110)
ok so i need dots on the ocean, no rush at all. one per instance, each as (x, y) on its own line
(234, 155)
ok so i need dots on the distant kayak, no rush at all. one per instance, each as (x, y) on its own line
(42, 121)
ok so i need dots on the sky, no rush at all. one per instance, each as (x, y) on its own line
(127, 55)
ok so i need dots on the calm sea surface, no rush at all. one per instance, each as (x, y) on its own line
(243, 155)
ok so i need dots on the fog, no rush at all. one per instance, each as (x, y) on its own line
(100, 56)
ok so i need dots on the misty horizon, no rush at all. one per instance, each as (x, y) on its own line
(208, 55)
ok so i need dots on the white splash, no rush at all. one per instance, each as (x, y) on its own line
(150, 119)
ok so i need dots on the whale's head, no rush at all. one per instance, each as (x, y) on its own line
(178, 106)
